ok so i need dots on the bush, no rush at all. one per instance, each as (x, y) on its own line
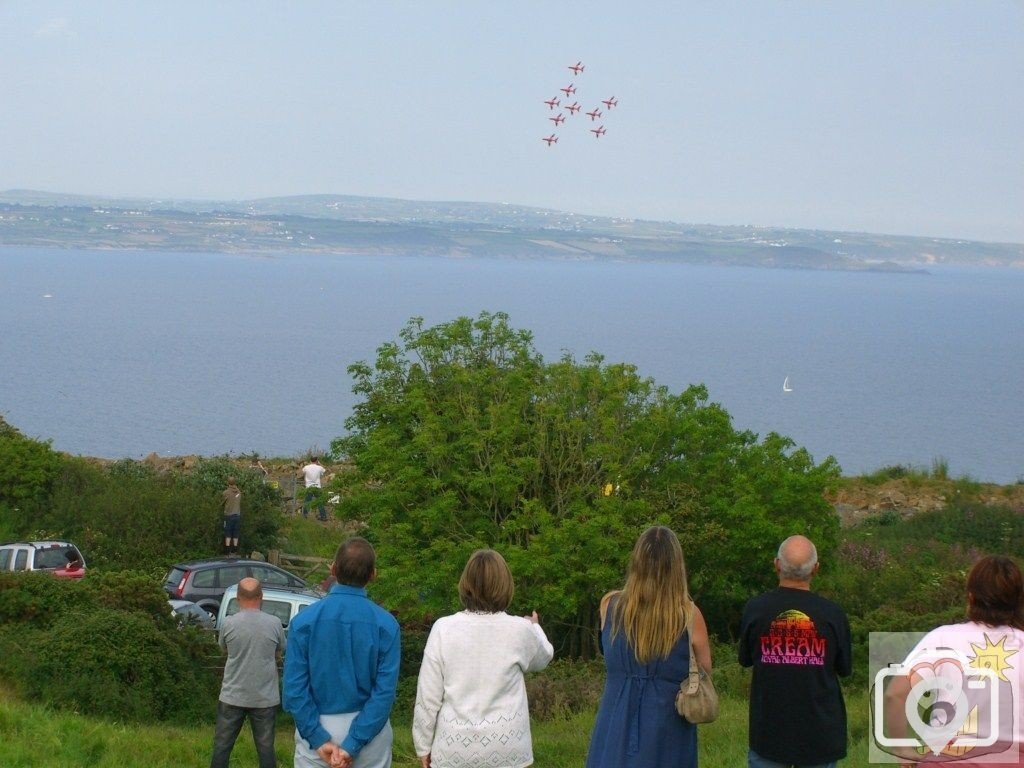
(128, 516)
(36, 598)
(729, 677)
(261, 502)
(119, 665)
(465, 438)
(565, 688)
(886, 473)
(28, 469)
(39, 600)
(986, 529)
(940, 468)
(18, 644)
(105, 645)
(128, 591)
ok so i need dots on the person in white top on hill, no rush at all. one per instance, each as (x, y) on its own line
(313, 474)
(471, 707)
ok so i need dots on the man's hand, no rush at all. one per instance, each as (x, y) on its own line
(425, 761)
(341, 759)
(334, 756)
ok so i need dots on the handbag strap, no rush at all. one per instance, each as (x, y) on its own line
(695, 670)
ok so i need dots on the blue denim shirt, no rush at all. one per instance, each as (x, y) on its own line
(343, 655)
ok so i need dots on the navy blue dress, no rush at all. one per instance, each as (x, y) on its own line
(637, 725)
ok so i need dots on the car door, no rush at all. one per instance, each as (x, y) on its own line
(272, 577)
(230, 575)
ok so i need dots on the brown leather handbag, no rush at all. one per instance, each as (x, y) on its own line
(697, 699)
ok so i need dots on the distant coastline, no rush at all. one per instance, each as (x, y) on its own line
(346, 225)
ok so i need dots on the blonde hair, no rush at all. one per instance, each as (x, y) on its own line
(654, 607)
(486, 584)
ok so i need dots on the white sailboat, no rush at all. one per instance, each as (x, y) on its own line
(785, 385)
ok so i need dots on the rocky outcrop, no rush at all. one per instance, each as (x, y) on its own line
(856, 500)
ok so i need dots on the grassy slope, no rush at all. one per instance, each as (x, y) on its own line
(39, 737)
(36, 737)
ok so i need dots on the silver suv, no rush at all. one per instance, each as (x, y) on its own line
(285, 604)
(61, 558)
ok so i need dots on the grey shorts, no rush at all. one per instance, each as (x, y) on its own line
(376, 754)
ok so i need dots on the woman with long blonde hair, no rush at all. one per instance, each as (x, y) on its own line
(646, 631)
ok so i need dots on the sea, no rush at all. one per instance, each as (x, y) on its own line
(126, 353)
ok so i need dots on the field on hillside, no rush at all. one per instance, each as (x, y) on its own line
(37, 737)
(95, 672)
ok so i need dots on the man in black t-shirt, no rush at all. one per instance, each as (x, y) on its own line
(798, 644)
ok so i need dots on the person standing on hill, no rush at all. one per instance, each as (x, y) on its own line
(254, 641)
(798, 644)
(313, 474)
(232, 501)
(341, 670)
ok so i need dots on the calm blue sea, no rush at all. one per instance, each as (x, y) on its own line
(138, 352)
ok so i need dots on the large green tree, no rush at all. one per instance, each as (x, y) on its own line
(465, 438)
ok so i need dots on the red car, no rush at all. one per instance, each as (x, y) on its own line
(61, 558)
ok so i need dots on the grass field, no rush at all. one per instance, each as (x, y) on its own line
(38, 737)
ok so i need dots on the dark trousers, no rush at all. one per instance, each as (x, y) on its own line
(317, 495)
(229, 724)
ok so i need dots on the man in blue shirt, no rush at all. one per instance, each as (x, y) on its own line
(341, 670)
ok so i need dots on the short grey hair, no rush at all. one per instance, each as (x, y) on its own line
(797, 571)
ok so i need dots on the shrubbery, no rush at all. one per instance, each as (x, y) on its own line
(105, 645)
(465, 438)
(128, 516)
(119, 665)
(565, 688)
(27, 472)
(37, 599)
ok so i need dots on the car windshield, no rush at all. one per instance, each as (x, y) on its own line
(174, 577)
(54, 557)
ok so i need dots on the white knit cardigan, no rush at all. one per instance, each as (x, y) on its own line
(471, 708)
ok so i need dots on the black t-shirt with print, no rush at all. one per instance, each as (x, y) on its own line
(798, 644)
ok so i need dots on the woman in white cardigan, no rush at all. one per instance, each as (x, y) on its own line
(471, 707)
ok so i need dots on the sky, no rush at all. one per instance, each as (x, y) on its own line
(899, 117)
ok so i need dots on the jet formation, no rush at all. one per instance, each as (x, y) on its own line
(569, 111)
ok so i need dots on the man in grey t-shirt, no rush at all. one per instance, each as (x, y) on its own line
(254, 641)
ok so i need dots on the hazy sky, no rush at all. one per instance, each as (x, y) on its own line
(892, 116)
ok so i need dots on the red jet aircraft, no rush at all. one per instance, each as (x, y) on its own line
(577, 67)
(552, 103)
(552, 139)
(569, 90)
(599, 131)
(612, 102)
(594, 115)
(574, 108)
(557, 119)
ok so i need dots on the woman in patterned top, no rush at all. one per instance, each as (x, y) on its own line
(471, 709)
